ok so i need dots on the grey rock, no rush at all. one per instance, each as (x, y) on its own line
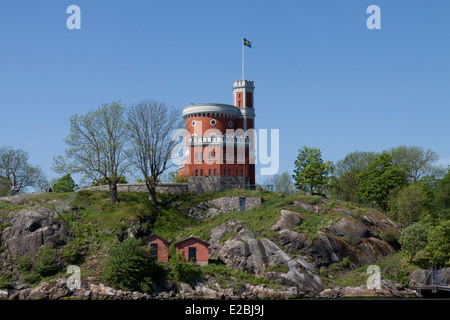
(289, 219)
(292, 240)
(351, 230)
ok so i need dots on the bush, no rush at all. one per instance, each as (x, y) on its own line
(183, 270)
(71, 253)
(129, 268)
(24, 264)
(5, 281)
(45, 261)
(413, 239)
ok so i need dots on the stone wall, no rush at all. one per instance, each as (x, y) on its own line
(216, 183)
(195, 185)
(165, 188)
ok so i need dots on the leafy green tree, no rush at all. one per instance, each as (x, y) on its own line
(380, 178)
(413, 239)
(416, 162)
(407, 204)
(347, 170)
(129, 267)
(438, 246)
(65, 184)
(441, 203)
(97, 146)
(311, 172)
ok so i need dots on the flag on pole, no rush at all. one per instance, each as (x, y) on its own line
(247, 43)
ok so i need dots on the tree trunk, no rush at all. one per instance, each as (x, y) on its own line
(153, 196)
(113, 193)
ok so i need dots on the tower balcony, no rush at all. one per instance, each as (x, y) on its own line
(216, 140)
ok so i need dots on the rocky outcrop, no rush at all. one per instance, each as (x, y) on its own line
(350, 230)
(244, 251)
(28, 230)
(354, 237)
(289, 219)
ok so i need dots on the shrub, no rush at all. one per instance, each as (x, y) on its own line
(183, 270)
(5, 281)
(71, 253)
(128, 267)
(24, 264)
(45, 261)
(438, 245)
(413, 239)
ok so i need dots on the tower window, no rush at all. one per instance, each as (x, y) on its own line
(215, 172)
(209, 172)
(213, 122)
(196, 173)
(224, 172)
(201, 172)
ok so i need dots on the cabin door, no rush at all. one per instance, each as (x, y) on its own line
(154, 251)
(192, 254)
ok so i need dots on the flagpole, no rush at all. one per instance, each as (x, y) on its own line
(242, 42)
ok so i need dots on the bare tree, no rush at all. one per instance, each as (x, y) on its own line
(151, 124)
(16, 171)
(97, 146)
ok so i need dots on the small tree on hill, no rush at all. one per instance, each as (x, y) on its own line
(65, 184)
(407, 204)
(97, 146)
(151, 125)
(311, 172)
(379, 179)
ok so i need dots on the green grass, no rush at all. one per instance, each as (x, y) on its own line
(314, 222)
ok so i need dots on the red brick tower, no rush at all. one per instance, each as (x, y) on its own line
(219, 149)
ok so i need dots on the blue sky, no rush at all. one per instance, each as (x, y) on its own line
(322, 77)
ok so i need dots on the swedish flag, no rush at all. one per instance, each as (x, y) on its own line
(247, 43)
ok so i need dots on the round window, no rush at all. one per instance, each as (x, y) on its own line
(213, 122)
(194, 123)
(230, 124)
